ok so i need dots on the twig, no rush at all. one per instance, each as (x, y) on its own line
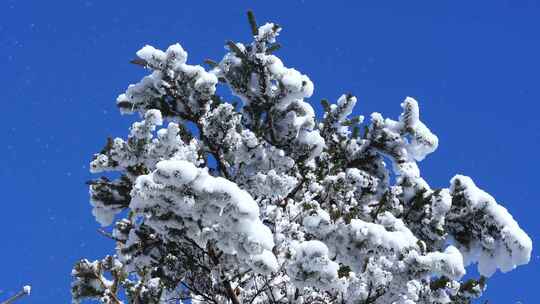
(284, 201)
(110, 236)
(104, 286)
(24, 292)
(197, 292)
(226, 283)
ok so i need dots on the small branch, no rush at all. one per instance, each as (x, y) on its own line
(24, 292)
(211, 63)
(291, 194)
(226, 283)
(139, 61)
(273, 48)
(237, 51)
(214, 150)
(104, 286)
(197, 292)
(108, 235)
(259, 291)
(269, 291)
(230, 292)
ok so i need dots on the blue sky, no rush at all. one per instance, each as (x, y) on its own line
(473, 65)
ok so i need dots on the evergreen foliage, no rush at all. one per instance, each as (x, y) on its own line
(262, 203)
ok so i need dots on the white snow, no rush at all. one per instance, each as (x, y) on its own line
(151, 55)
(267, 33)
(175, 172)
(221, 205)
(448, 263)
(27, 289)
(176, 53)
(398, 238)
(359, 203)
(312, 266)
(511, 249)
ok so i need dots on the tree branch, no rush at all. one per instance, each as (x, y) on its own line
(22, 293)
(226, 283)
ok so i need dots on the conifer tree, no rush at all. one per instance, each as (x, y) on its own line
(257, 201)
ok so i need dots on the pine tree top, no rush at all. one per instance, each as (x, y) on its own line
(254, 200)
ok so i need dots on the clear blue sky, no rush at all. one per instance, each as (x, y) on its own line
(473, 65)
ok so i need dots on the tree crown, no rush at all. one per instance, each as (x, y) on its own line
(260, 202)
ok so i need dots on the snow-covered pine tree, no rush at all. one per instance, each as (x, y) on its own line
(259, 202)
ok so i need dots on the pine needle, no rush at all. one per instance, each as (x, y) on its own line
(252, 23)
(211, 63)
(237, 51)
(274, 47)
(139, 61)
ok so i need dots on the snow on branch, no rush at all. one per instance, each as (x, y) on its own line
(21, 294)
(255, 200)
